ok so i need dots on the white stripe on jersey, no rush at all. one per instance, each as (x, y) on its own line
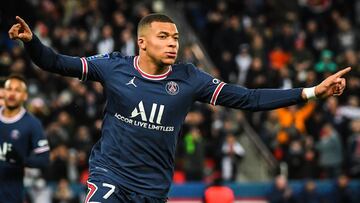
(84, 69)
(41, 149)
(216, 93)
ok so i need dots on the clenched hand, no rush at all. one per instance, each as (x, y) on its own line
(20, 31)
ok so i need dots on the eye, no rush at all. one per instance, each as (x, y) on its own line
(162, 36)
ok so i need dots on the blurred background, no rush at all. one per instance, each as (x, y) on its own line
(303, 153)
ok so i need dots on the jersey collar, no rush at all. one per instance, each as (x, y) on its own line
(13, 119)
(150, 76)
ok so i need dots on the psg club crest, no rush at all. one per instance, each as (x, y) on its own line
(15, 134)
(172, 88)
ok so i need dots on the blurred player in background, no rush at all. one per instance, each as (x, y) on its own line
(22, 141)
(148, 97)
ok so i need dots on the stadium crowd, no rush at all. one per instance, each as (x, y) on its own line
(258, 44)
(287, 44)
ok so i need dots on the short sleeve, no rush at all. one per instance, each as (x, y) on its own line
(96, 68)
(39, 143)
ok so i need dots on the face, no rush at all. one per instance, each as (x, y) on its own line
(160, 42)
(15, 93)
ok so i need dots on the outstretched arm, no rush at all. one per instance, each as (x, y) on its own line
(266, 99)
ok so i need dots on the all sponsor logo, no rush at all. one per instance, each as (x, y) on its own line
(150, 121)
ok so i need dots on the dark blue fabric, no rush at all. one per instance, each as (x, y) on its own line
(143, 117)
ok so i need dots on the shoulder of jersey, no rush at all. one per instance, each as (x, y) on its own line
(30, 116)
(184, 69)
(110, 56)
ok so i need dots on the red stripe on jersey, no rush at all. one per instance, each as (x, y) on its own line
(216, 93)
(149, 76)
(92, 189)
(84, 69)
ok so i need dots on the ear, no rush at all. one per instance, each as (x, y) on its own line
(142, 43)
(26, 96)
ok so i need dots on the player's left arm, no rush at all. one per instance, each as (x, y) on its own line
(219, 93)
(40, 151)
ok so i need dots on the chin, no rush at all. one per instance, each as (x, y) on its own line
(12, 106)
(169, 61)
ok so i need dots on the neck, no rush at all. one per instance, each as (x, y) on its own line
(148, 65)
(8, 112)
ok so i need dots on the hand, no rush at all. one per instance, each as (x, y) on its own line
(333, 85)
(20, 31)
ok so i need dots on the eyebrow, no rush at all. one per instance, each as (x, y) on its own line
(167, 33)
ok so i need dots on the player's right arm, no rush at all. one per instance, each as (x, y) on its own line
(48, 60)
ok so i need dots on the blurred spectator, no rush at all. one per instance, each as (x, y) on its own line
(58, 168)
(341, 192)
(286, 78)
(351, 110)
(194, 155)
(256, 75)
(258, 48)
(281, 192)
(64, 194)
(228, 66)
(302, 58)
(309, 193)
(315, 38)
(278, 57)
(330, 152)
(310, 169)
(243, 61)
(39, 191)
(106, 44)
(295, 159)
(232, 153)
(346, 38)
(326, 64)
(42, 31)
(270, 130)
(128, 43)
(292, 120)
(353, 153)
(82, 139)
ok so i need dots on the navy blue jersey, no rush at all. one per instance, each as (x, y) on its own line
(22, 143)
(144, 113)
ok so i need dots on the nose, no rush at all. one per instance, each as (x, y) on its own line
(173, 43)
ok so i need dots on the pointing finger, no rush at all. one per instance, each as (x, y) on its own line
(22, 22)
(343, 72)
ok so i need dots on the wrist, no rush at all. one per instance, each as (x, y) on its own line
(309, 93)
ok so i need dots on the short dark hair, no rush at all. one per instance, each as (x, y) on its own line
(17, 77)
(154, 17)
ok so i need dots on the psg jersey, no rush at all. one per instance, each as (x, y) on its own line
(20, 137)
(144, 113)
